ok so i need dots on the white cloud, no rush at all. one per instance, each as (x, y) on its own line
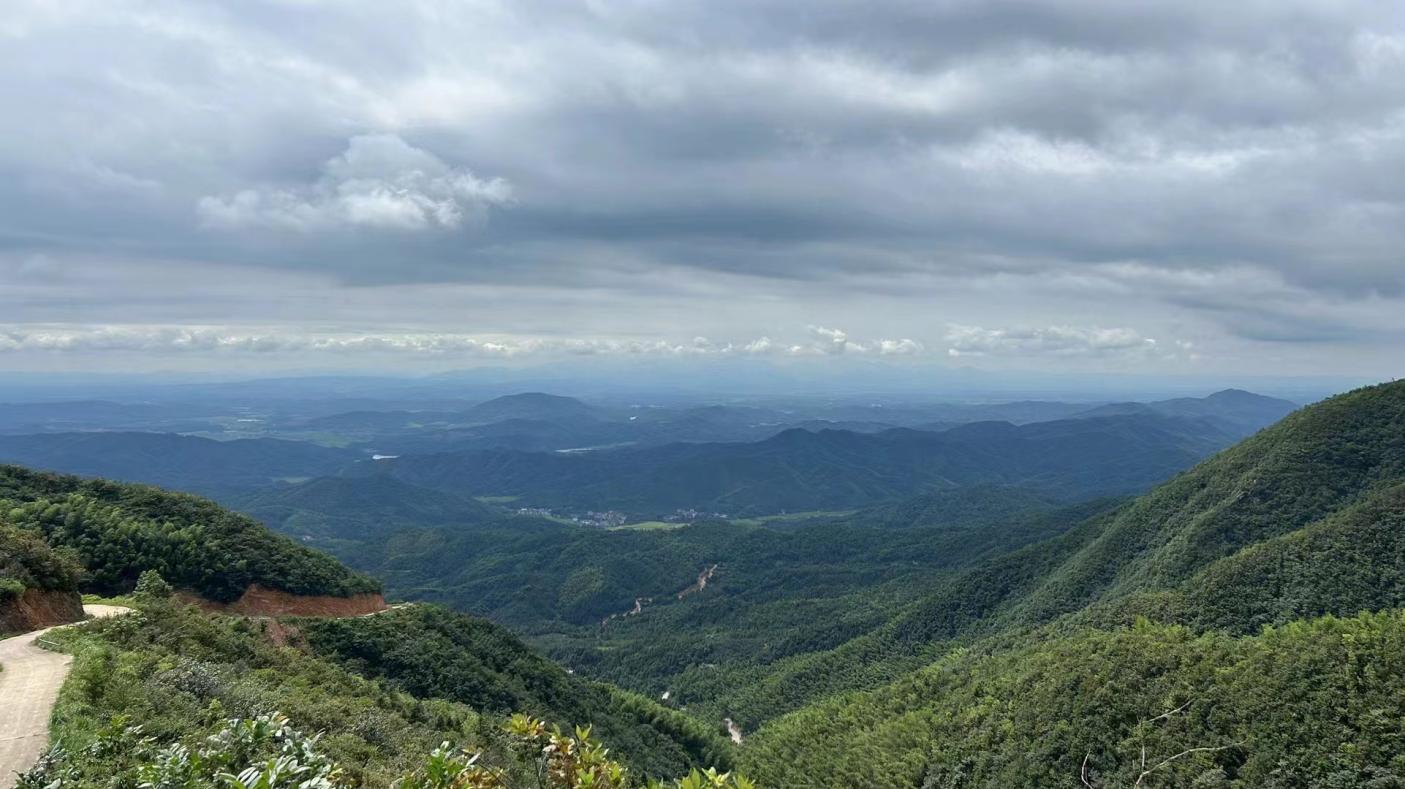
(836, 341)
(380, 181)
(1049, 340)
(147, 339)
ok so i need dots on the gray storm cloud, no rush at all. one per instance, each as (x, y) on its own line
(1220, 174)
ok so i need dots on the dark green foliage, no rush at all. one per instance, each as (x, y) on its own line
(151, 586)
(775, 594)
(1313, 704)
(1351, 561)
(27, 562)
(973, 506)
(430, 651)
(118, 531)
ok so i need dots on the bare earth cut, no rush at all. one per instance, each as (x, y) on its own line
(30, 678)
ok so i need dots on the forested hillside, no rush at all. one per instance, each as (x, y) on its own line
(117, 531)
(1315, 703)
(360, 508)
(431, 652)
(1299, 521)
(623, 604)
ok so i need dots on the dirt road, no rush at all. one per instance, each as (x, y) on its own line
(30, 678)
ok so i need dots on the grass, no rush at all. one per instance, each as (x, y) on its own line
(122, 600)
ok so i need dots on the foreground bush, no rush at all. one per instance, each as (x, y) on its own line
(267, 752)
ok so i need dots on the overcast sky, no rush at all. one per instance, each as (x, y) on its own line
(1177, 187)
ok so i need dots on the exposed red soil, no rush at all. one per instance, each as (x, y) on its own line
(261, 601)
(36, 609)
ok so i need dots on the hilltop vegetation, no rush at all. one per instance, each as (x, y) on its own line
(147, 688)
(177, 672)
(117, 531)
(27, 562)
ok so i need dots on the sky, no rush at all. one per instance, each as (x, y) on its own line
(1191, 188)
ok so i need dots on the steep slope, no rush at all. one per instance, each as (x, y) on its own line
(1154, 555)
(1315, 704)
(1302, 520)
(117, 531)
(432, 652)
(38, 586)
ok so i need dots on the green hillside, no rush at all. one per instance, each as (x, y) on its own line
(169, 696)
(117, 531)
(773, 592)
(1314, 704)
(432, 652)
(359, 508)
(1302, 520)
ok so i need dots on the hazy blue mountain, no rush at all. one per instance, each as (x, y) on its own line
(359, 508)
(189, 463)
(529, 405)
(1237, 410)
(70, 415)
(835, 469)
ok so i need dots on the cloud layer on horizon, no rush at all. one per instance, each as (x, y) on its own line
(1074, 179)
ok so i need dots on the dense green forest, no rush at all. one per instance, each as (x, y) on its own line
(774, 592)
(117, 531)
(1286, 493)
(346, 510)
(1299, 521)
(432, 652)
(1311, 704)
(27, 562)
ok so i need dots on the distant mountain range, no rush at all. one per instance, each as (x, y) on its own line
(198, 465)
(558, 452)
(833, 469)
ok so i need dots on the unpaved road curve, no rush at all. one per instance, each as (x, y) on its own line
(30, 678)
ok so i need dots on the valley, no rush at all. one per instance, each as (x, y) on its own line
(702, 394)
(979, 558)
